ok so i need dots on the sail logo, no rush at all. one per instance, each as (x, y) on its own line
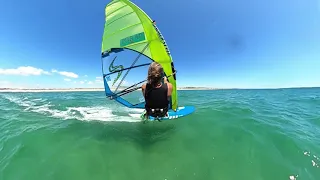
(132, 39)
(114, 69)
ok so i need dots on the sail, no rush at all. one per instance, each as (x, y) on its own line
(131, 42)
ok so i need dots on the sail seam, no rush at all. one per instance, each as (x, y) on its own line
(119, 18)
(112, 34)
(136, 43)
(117, 9)
(112, 3)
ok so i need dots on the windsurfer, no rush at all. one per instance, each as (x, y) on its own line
(157, 93)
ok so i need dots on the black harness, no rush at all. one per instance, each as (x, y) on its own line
(156, 112)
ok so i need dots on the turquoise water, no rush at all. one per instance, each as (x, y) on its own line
(234, 134)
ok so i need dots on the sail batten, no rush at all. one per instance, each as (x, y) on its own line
(121, 30)
(117, 9)
(120, 18)
(113, 2)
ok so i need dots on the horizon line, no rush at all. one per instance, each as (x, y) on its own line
(187, 87)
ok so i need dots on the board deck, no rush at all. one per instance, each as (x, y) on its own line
(181, 112)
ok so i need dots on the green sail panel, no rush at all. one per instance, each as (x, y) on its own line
(132, 39)
(127, 26)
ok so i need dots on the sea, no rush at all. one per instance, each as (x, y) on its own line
(269, 134)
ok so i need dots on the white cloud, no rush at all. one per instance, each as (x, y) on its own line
(125, 82)
(90, 82)
(81, 82)
(65, 73)
(67, 79)
(98, 81)
(68, 74)
(24, 71)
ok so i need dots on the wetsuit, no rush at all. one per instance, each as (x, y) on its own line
(156, 100)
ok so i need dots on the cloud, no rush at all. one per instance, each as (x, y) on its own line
(98, 81)
(81, 82)
(90, 82)
(67, 79)
(85, 75)
(65, 73)
(69, 74)
(24, 71)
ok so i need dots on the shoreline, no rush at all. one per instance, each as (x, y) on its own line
(8, 90)
(50, 89)
(79, 89)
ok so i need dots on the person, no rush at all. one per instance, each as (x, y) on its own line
(157, 93)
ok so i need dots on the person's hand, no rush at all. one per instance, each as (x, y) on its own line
(165, 79)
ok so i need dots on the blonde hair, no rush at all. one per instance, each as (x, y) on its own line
(155, 73)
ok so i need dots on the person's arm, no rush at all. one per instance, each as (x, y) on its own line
(169, 90)
(143, 87)
(165, 80)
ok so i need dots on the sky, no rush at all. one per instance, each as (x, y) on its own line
(214, 43)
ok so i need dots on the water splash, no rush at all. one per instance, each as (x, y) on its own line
(314, 161)
(83, 113)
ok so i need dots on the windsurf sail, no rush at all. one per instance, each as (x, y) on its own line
(131, 42)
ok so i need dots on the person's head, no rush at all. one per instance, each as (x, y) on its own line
(155, 73)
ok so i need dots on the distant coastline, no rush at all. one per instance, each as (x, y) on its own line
(80, 89)
(49, 89)
(102, 89)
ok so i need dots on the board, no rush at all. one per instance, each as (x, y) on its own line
(181, 112)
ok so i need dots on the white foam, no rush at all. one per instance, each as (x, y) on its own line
(137, 116)
(306, 153)
(314, 162)
(92, 113)
(135, 110)
(292, 178)
(19, 101)
(180, 108)
(39, 100)
(84, 114)
(99, 113)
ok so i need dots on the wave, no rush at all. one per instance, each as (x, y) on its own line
(83, 113)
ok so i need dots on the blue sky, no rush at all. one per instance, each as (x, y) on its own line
(220, 43)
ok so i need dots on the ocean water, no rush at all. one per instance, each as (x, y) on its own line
(233, 134)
